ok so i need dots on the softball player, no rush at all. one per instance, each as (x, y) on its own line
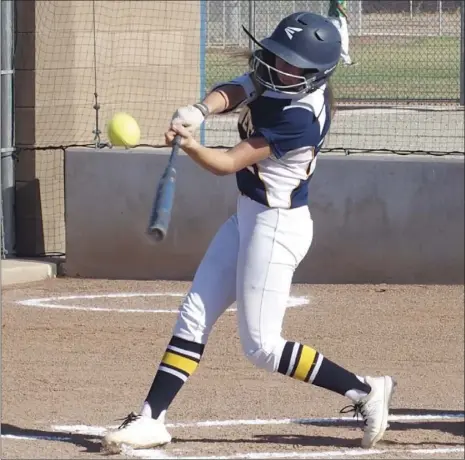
(337, 14)
(285, 117)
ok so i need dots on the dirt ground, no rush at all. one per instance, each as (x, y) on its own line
(71, 367)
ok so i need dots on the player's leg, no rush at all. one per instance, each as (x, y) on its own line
(212, 292)
(272, 244)
(265, 268)
(344, 31)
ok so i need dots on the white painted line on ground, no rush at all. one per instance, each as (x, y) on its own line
(83, 429)
(36, 437)
(146, 453)
(149, 454)
(157, 453)
(330, 454)
(99, 430)
(51, 302)
(309, 421)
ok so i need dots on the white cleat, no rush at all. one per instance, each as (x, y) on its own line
(136, 432)
(374, 408)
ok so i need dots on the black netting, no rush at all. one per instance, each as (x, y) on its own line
(78, 62)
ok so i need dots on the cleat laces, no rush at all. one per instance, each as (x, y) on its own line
(132, 417)
(358, 409)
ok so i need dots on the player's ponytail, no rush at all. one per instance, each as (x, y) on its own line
(331, 99)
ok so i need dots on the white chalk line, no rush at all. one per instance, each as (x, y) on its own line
(157, 453)
(147, 454)
(50, 302)
(100, 431)
(37, 437)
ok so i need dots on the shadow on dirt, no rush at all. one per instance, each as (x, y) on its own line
(90, 443)
(453, 426)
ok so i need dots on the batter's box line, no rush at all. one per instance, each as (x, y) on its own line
(149, 454)
(344, 453)
(99, 430)
(51, 302)
(157, 453)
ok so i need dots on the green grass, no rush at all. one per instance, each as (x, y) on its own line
(398, 68)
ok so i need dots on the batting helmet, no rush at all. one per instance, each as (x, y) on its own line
(305, 40)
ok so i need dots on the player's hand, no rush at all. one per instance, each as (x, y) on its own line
(189, 116)
(187, 141)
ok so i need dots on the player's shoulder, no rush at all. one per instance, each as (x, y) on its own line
(297, 115)
(313, 102)
(304, 110)
(288, 114)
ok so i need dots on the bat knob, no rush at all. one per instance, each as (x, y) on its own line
(156, 234)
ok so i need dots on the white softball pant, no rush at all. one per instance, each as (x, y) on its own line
(251, 260)
(341, 25)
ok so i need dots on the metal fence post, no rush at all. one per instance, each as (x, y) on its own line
(251, 23)
(2, 240)
(462, 54)
(440, 17)
(203, 53)
(7, 126)
(232, 19)
(360, 17)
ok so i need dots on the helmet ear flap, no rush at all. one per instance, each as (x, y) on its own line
(310, 75)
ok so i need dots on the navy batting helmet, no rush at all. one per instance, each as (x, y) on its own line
(305, 40)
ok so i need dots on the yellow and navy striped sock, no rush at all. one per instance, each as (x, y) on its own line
(300, 362)
(304, 363)
(180, 360)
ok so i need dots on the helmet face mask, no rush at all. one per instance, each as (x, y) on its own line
(268, 75)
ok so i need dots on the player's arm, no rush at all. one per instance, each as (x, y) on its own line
(234, 93)
(223, 98)
(293, 130)
(221, 162)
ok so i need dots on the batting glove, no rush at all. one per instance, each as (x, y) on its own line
(191, 116)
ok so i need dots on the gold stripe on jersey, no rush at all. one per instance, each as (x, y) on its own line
(258, 174)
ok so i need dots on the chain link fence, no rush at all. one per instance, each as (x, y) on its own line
(367, 17)
(78, 62)
(403, 94)
(406, 50)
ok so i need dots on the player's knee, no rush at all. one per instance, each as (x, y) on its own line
(265, 355)
(191, 324)
(261, 358)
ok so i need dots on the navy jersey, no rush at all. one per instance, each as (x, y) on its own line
(295, 128)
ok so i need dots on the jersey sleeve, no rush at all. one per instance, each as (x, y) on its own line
(248, 84)
(295, 129)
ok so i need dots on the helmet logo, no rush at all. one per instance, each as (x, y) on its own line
(290, 31)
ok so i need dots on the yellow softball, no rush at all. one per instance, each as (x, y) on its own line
(123, 130)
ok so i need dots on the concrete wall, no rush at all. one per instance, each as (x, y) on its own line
(147, 63)
(377, 218)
